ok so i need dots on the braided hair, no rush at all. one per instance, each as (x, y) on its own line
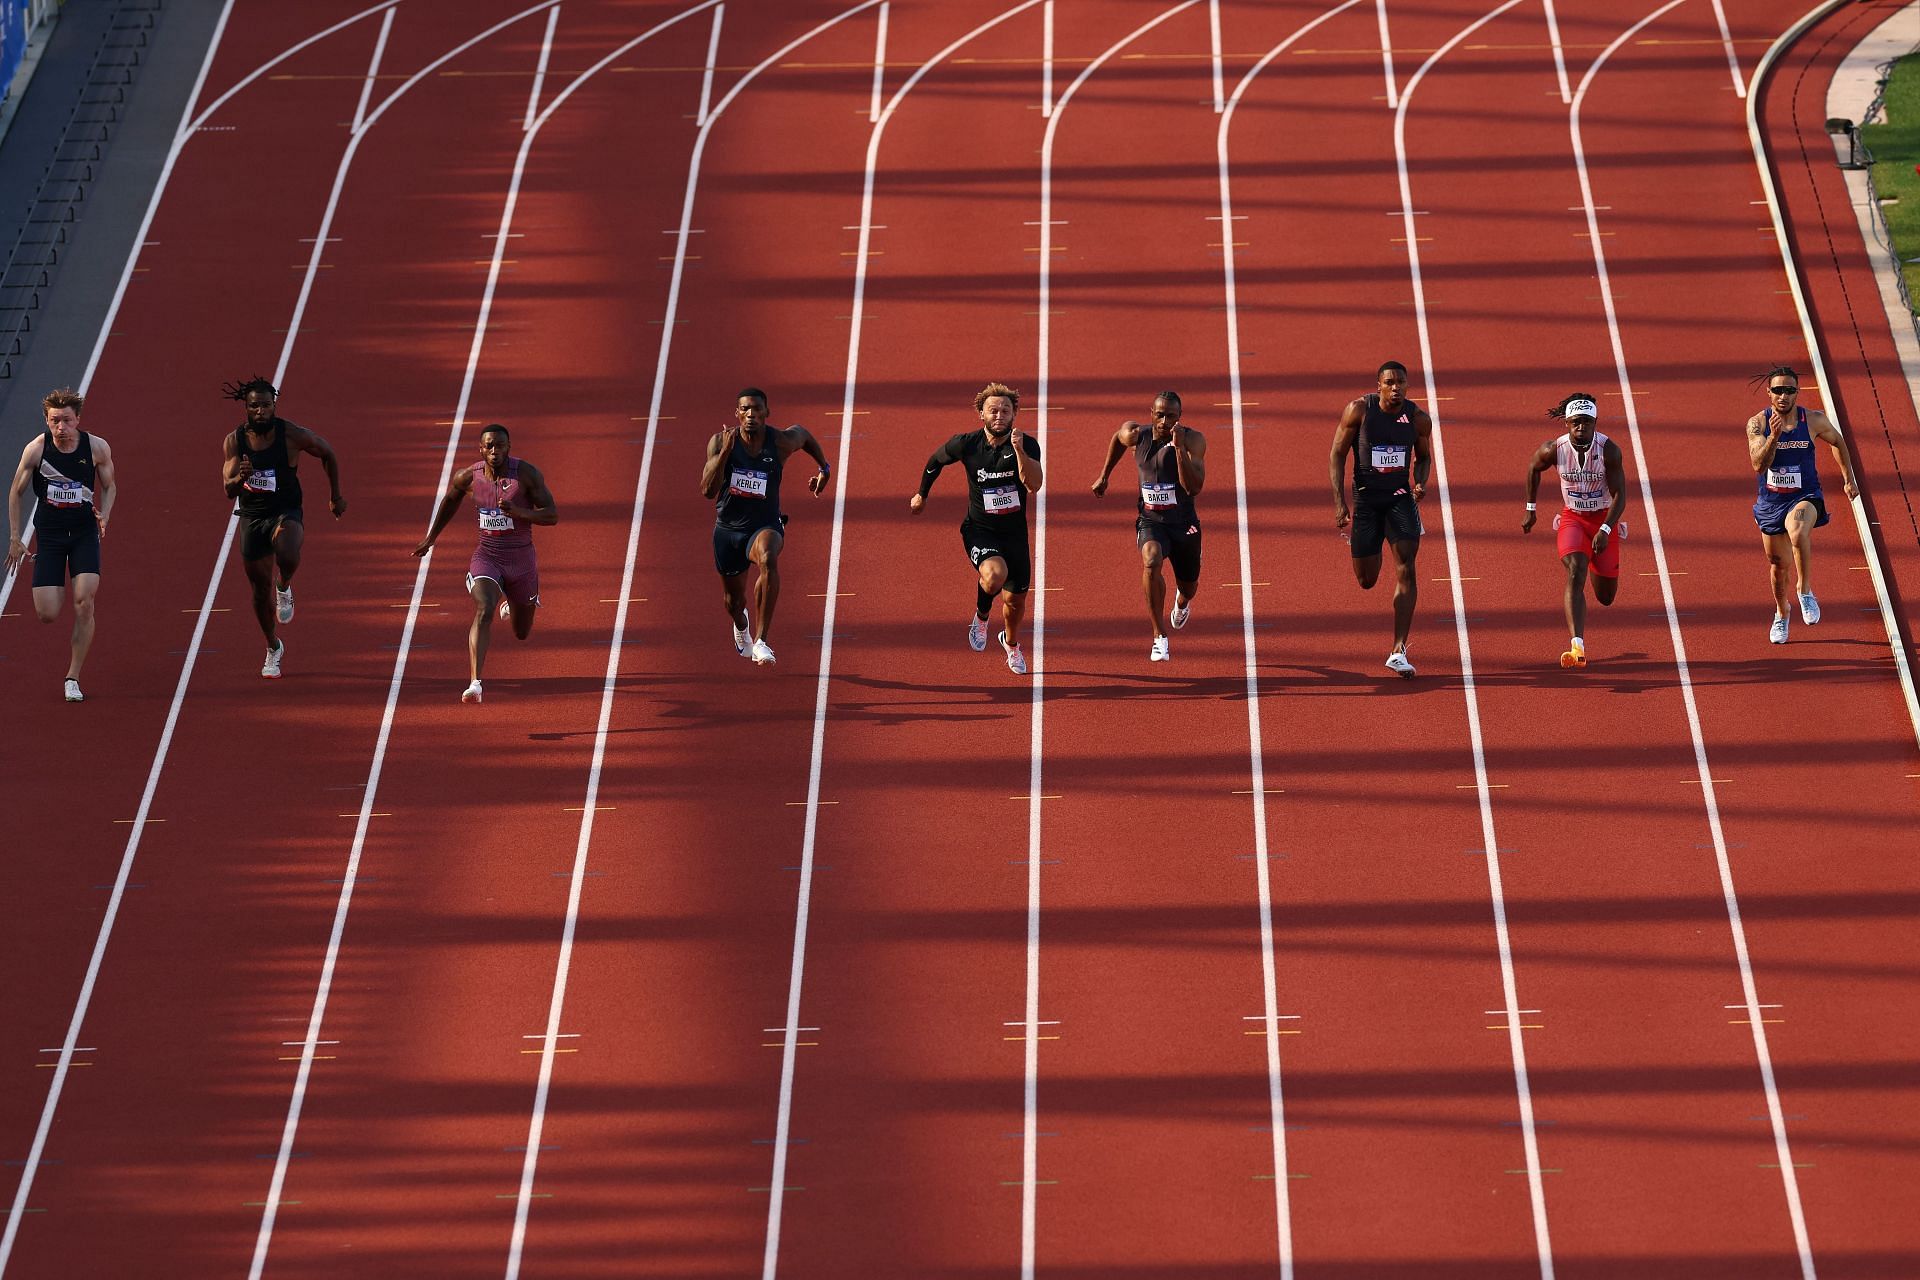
(240, 390)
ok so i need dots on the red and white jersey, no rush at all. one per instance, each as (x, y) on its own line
(1583, 479)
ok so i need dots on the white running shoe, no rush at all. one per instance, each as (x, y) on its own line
(1160, 651)
(742, 638)
(1181, 612)
(505, 611)
(283, 603)
(1777, 633)
(1016, 660)
(1809, 608)
(73, 693)
(270, 669)
(762, 653)
(977, 634)
(1398, 663)
(471, 693)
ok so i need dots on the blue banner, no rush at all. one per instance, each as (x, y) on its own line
(13, 41)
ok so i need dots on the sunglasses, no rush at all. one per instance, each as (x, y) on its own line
(1783, 391)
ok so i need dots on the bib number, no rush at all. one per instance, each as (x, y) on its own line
(65, 493)
(749, 484)
(1783, 479)
(1000, 501)
(1588, 503)
(1159, 497)
(1389, 457)
(263, 482)
(494, 520)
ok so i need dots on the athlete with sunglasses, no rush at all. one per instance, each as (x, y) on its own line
(1789, 505)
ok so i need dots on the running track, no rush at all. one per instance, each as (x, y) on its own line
(883, 962)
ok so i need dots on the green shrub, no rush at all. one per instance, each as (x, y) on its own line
(1895, 147)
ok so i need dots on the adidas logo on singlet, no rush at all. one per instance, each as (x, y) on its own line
(1403, 418)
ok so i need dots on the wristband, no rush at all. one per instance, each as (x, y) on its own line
(1530, 506)
(825, 469)
(1606, 529)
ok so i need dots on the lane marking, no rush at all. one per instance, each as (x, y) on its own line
(1256, 763)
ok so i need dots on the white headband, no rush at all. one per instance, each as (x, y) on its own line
(1581, 409)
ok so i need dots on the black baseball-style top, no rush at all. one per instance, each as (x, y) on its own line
(63, 483)
(1383, 454)
(751, 498)
(274, 486)
(995, 496)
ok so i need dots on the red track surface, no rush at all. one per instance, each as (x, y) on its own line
(1397, 1083)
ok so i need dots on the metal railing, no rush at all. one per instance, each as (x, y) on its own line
(32, 262)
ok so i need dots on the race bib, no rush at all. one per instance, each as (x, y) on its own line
(1389, 457)
(749, 484)
(1783, 479)
(1158, 497)
(66, 493)
(1589, 502)
(494, 520)
(1000, 501)
(263, 482)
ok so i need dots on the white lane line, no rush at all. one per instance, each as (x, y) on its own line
(1733, 58)
(373, 70)
(1030, 1122)
(713, 58)
(179, 140)
(789, 1049)
(1876, 567)
(297, 1099)
(1256, 755)
(540, 71)
(1559, 53)
(879, 64)
(1386, 55)
(1046, 60)
(1509, 985)
(1213, 35)
(70, 1043)
(1709, 793)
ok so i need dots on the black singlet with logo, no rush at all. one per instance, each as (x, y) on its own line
(995, 496)
(1162, 499)
(63, 484)
(274, 486)
(1383, 455)
(751, 497)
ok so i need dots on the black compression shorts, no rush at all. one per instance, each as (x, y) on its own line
(60, 553)
(256, 532)
(1180, 544)
(983, 542)
(1397, 522)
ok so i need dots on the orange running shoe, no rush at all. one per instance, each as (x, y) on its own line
(1576, 656)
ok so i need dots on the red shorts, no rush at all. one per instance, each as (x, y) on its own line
(1576, 531)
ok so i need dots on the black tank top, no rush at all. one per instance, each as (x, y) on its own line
(63, 483)
(1383, 455)
(751, 499)
(274, 486)
(1162, 500)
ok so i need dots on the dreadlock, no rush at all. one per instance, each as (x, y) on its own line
(1778, 370)
(241, 390)
(1560, 410)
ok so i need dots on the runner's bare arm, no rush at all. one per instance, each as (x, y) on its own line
(544, 510)
(1761, 439)
(1026, 462)
(1124, 439)
(799, 438)
(106, 485)
(22, 481)
(235, 468)
(1190, 458)
(310, 442)
(449, 503)
(1823, 429)
(1616, 482)
(1422, 452)
(1344, 436)
(714, 474)
(1542, 459)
